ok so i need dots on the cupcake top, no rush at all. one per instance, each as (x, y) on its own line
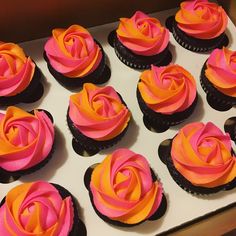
(202, 153)
(36, 209)
(73, 51)
(17, 70)
(201, 19)
(167, 89)
(221, 71)
(142, 34)
(123, 188)
(98, 112)
(25, 139)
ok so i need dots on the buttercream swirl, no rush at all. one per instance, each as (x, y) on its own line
(221, 71)
(123, 189)
(142, 34)
(168, 89)
(73, 51)
(201, 19)
(16, 70)
(98, 112)
(25, 139)
(202, 154)
(36, 209)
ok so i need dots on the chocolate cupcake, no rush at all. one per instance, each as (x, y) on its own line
(218, 79)
(124, 191)
(26, 142)
(166, 95)
(97, 117)
(40, 208)
(20, 78)
(74, 57)
(199, 26)
(200, 159)
(141, 41)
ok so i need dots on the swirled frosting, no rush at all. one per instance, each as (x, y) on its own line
(73, 51)
(36, 209)
(168, 89)
(123, 188)
(142, 34)
(98, 112)
(202, 154)
(25, 139)
(16, 70)
(201, 19)
(221, 71)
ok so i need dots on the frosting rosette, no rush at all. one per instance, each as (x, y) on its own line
(221, 71)
(16, 71)
(73, 51)
(142, 34)
(25, 139)
(123, 188)
(98, 112)
(202, 153)
(201, 19)
(36, 209)
(167, 89)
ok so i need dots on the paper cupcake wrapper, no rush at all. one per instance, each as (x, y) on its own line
(157, 215)
(138, 61)
(164, 150)
(99, 76)
(31, 94)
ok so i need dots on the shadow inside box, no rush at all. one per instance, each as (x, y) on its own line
(59, 156)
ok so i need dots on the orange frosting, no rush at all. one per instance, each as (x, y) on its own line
(123, 188)
(221, 71)
(167, 89)
(201, 19)
(16, 70)
(202, 154)
(73, 51)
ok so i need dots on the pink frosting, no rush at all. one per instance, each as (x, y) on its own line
(142, 34)
(36, 209)
(73, 51)
(123, 188)
(16, 70)
(221, 71)
(167, 89)
(202, 154)
(201, 19)
(98, 112)
(25, 139)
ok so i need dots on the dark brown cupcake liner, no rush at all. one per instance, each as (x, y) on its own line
(164, 152)
(10, 176)
(194, 44)
(99, 76)
(215, 98)
(156, 215)
(138, 61)
(161, 122)
(31, 94)
(78, 227)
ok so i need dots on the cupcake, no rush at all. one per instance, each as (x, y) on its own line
(97, 118)
(74, 57)
(218, 79)
(39, 208)
(140, 41)
(166, 95)
(124, 191)
(19, 76)
(26, 141)
(199, 26)
(200, 159)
